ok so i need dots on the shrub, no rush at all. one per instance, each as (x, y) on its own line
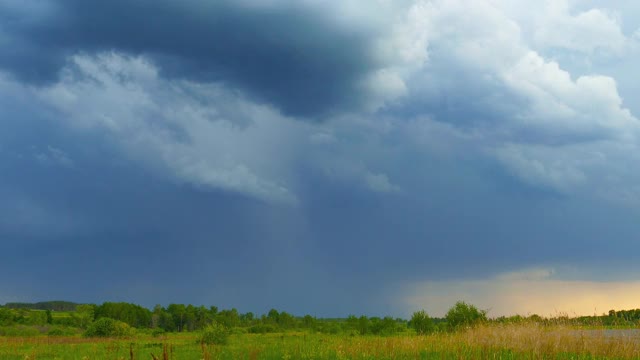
(107, 327)
(216, 334)
(239, 331)
(20, 330)
(422, 323)
(157, 332)
(465, 315)
(262, 329)
(61, 331)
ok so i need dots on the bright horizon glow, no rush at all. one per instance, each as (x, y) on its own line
(526, 293)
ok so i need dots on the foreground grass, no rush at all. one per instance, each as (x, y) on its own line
(492, 342)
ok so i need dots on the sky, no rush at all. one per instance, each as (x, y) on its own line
(322, 157)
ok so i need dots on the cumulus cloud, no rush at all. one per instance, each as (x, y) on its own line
(472, 68)
(181, 129)
(590, 105)
(547, 126)
(586, 31)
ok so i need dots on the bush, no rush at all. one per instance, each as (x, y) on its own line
(262, 329)
(19, 330)
(239, 331)
(61, 331)
(465, 315)
(216, 334)
(422, 323)
(107, 327)
(157, 332)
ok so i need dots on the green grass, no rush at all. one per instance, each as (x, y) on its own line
(491, 342)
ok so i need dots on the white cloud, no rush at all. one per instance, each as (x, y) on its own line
(379, 183)
(383, 86)
(556, 102)
(586, 31)
(204, 135)
(545, 125)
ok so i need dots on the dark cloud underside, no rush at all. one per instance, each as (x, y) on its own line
(304, 62)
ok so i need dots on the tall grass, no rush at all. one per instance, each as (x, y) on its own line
(508, 341)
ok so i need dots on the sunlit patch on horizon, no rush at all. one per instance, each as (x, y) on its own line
(539, 291)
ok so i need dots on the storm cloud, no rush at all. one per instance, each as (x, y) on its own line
(298, 57)
(318, 157)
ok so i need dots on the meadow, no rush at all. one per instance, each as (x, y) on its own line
(514, 341)
(125, 331)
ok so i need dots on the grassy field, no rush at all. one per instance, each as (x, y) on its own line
(490, 342)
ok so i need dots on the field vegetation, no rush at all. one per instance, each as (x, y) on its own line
(128, 331)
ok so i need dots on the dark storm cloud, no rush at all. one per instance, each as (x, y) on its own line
(122, 222)
(296, 57)
(137, 237)
(118, 184)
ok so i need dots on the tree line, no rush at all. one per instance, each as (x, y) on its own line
(187, 318)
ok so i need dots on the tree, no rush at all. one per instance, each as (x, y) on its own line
(465, 315)
(190, 316)
(134, 315)
(84, 315)
(49, 316)
(352, 323)
(384, 326)
(286, 320)
(273, 316)
(309, 321)
(421, 322)
(363, 325)
(178, 312)
(228, 318)
(162, 319)
(247, 319)
(107, 327)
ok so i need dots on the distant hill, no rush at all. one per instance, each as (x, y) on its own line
(44, 305)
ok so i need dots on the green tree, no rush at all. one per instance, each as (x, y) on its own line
(134, 315)
(247, 319)
(84, 315)
(384, 326)
(178, 312)
(309, 322)
(228, 318)
(203, 317)
(352, 323)
(49, 317)
(162, 319)
(286, 320)
(107, 327)
(422, 323)
(190, 316)
(273, 316)
(363, 325)
(465, 315)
